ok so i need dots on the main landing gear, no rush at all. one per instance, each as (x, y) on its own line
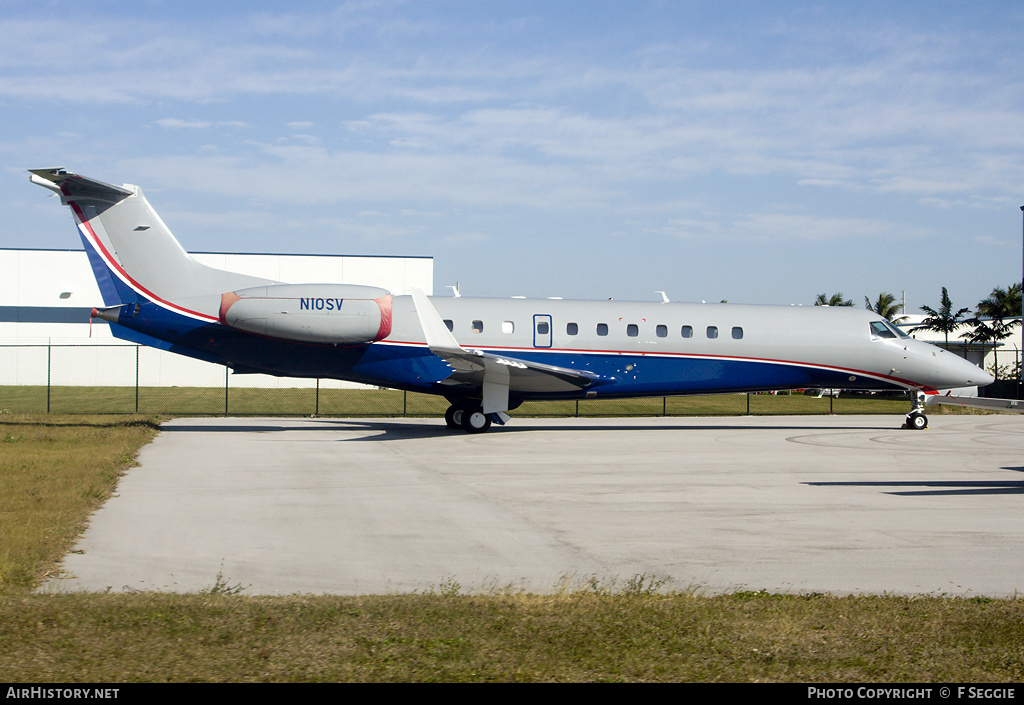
(470, 420)
(916, 420)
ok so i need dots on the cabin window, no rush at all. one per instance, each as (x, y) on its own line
(572, 329)
(543, 328)
(712, 331)
(737, 333)
(451, 326)
(478, 326)
(662, 331)
(632, 330)
(602, 329)
(508, 327)
(687, 331)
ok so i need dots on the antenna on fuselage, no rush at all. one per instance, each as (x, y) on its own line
(455, 289)
(664, 297)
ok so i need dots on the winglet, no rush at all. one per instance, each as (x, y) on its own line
(439, 338)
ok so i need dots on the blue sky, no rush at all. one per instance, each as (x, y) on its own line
(750, 151)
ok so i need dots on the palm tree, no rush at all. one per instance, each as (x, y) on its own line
(944, 320)
(1001, 303)
(886, 307)
(990, 324)
(835, 300)
(990, 331)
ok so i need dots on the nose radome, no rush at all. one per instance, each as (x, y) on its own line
(950, 370)
(973, 375)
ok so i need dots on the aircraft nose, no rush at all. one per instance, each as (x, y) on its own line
(944, 369)
(986, 378)
(971, 375)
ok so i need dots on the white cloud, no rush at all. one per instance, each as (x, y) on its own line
(659, 124)
(175, 123)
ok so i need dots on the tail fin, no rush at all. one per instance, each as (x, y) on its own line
(132, 252)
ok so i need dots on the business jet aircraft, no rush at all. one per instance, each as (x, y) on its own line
(484, 355)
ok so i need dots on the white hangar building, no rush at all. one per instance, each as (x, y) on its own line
(46, 297)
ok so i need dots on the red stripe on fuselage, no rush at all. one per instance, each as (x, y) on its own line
(626, 353)
(114, 266)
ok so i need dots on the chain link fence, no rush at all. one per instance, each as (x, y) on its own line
(122, 379)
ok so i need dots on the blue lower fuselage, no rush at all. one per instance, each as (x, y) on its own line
(413, 367)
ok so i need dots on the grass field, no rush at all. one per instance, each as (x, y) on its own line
(180, 401)
(56, 469)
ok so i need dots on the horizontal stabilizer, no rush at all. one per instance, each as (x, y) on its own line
(73, 187)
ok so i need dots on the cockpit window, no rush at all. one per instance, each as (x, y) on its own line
(885, 329)
(880, 330)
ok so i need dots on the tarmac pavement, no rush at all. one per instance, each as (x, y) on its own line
(836, 504)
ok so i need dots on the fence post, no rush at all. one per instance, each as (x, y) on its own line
(405, 402)
(47, 376)
(137, 378)
(317, 411)
(225, 390)
(1020, 371)
(748, 403)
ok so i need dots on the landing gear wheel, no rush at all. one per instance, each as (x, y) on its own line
(453, 417)
(917, 421)
(475, 420)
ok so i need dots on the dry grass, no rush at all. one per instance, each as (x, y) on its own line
(565, 637)
(54, 471)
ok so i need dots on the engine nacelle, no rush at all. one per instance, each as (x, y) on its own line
(310, 313)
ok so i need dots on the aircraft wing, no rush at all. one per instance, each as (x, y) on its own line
(496, 375)
(977, 402)
(524, 375)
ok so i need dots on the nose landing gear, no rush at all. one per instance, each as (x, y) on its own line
(916, 420)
